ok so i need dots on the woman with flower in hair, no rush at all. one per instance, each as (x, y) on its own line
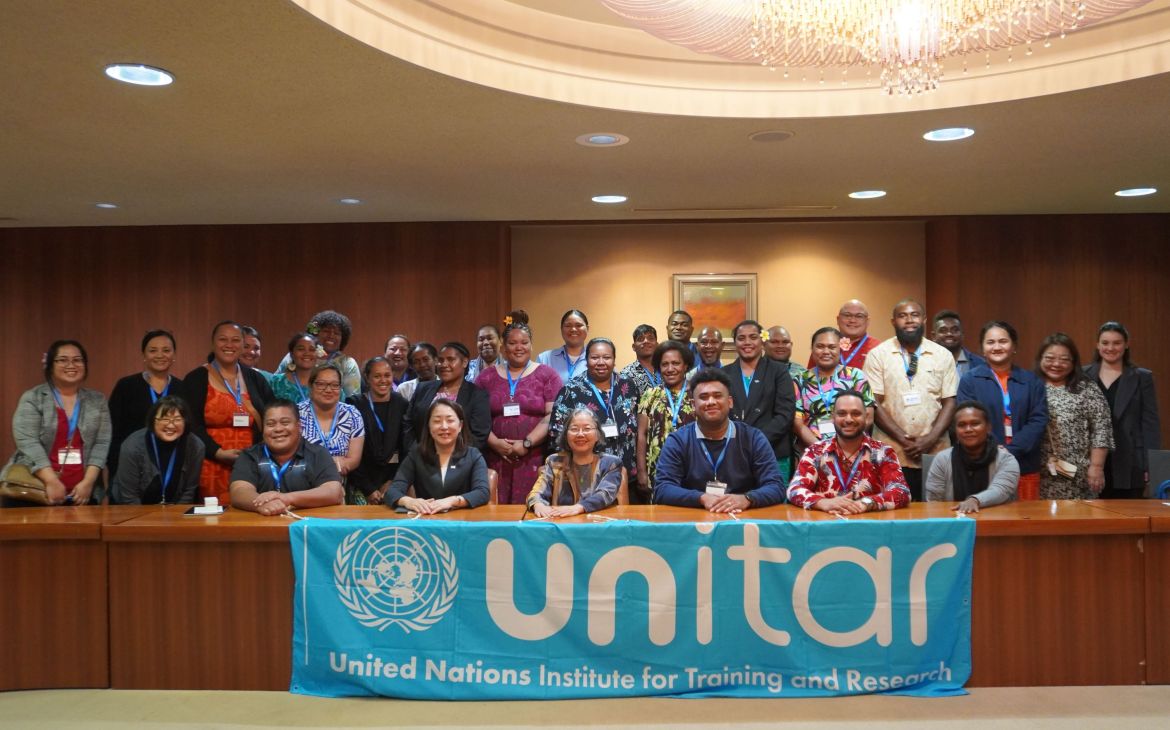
(332, 330)
(291, 382)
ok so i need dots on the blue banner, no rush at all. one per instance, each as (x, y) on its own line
(539, 610)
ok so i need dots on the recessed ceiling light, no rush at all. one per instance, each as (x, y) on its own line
(609, 199)
(867, 194)
(1135, 192)
(105, 206)
(602, 139)
(948, 134)
(349, 201)
(771, 135)
(139, 75)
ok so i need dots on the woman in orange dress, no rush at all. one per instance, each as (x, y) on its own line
(226, 398)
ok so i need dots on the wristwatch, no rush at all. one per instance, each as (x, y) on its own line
(528, 443)
(868, 502)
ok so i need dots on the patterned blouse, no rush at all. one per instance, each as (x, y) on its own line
(1077, 422)
(814, 399)
(642, 378)
(351, 375)
(660, 423)
(877, 476)
(283, 386)
(622, 409)
(349, 425)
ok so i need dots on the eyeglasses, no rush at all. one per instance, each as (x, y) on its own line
(170, 420)
(69, 361)
(327, 386)
(581, 431)
(852, 315)
(1055, 359)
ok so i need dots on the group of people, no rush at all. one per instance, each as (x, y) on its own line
(564, 431)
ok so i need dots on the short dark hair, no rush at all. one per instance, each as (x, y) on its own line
(684, 313)
(336, 319)
(51, 353)
(1015, 336)
(318, 369)
(643, 329)
(813, 340)
(457, 347)
(146, 338)
(947, 314)
(746, 323)
(488, 326)
(600, 341)
(688, 357)
(168, 404)
(273, 405)
(426, 346)
(1119, 328)
(371, 363)
(562, 443)
(572, 313)
(397, 337)
(709, 375)
(1077, 378)
(426, 442)
(975, 405)
(847, 393)
(250, 331)
(903, 302)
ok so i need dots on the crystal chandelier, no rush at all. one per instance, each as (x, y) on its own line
(906, 39)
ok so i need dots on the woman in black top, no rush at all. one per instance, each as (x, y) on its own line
(451, 367)
(162, 462)
(134, 394)
(444, 471)
(384, 414)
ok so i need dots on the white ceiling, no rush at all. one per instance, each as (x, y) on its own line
(275, 115)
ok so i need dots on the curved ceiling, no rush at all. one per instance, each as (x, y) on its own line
(576, 51)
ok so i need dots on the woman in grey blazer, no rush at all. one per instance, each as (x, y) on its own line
(1134, 406)
(975, 472)
(160, 464)
(62, 431)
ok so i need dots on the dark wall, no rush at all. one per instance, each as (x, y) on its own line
(1058, 273)
(107, 286)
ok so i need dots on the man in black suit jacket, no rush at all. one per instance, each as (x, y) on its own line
(762, 393)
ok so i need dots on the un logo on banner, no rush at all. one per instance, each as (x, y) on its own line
(395, 576)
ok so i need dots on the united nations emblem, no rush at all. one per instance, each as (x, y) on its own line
(395, 576)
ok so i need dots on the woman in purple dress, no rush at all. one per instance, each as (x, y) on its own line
(522, 392)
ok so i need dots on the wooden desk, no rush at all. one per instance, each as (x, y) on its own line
(1058, 591)
(54, 606)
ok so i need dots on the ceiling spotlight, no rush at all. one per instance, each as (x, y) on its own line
(1135, 192)
(948, 134)
(602, 139)
(867, 194)
(139, 75)
(349, 201)
(105, 206)
(609, 199)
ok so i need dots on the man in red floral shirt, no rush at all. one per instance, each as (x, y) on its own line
(851, 472)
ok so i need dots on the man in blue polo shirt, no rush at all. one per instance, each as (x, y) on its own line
(716, 463)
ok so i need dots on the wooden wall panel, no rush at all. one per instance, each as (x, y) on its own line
(107, 286)
(1058, 273)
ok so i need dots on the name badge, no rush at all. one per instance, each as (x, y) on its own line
(241, 420)
(511, 410)
(1007, 430)
(826, 429)
(609, 429)
(69, 457)
(912, 399)
(716, 488)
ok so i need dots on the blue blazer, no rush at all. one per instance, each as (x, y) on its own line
(1029, 410)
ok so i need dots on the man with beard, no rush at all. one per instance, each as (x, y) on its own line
(487, 343)
(716, 463)
(849, 473)
(855, 345)
(947, 330)
(709, 348)
(914, 383)
(779, 348)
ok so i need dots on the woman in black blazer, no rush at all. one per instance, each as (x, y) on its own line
(444, 470)
(1134, 406)
(451, 367)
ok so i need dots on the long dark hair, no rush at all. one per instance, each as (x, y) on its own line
(1077, 377)
(1119, 328)
(426, 442)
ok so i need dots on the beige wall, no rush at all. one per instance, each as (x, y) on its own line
(620, 275)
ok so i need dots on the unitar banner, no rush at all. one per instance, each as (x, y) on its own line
(538, 610)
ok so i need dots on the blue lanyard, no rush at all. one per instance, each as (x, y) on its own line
(852, 471)
(655, 378)
(513, 384)
(826, 400)
(292, 377)
(707, 454)
(572, 364)
(605, 402)
(675, 405)
(166, 478)
(747, 383)
(73, 418)
(906, 361)
(277, 476)
(155, 396)
(1007, 399)
(332, 425)
(238, 395)
(854, 350)
(373, 410)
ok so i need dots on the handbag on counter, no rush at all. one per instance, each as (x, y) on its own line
(18, 483)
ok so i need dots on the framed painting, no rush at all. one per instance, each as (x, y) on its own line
(719, 300)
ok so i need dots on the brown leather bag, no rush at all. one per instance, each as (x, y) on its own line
(18, 483)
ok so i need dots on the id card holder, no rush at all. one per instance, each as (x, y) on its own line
(241, 420)
(716, 488)
(912, 399)
(609, 429)
(1007, 430)
(69, 457)
(826, 429)
(511, 410)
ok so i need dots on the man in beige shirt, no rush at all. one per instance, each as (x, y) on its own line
(914, 383)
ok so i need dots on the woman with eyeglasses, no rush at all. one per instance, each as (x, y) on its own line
(569, 360)
(134, 394)
(160, 464)
(226, 398)
(578, 478)
(1080, 432)
(1133, 406)
(612, 398)
(338, 426)
(662, 410)
(291, 382)
(62, 430)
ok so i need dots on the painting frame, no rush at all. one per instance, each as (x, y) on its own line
(736, 301)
